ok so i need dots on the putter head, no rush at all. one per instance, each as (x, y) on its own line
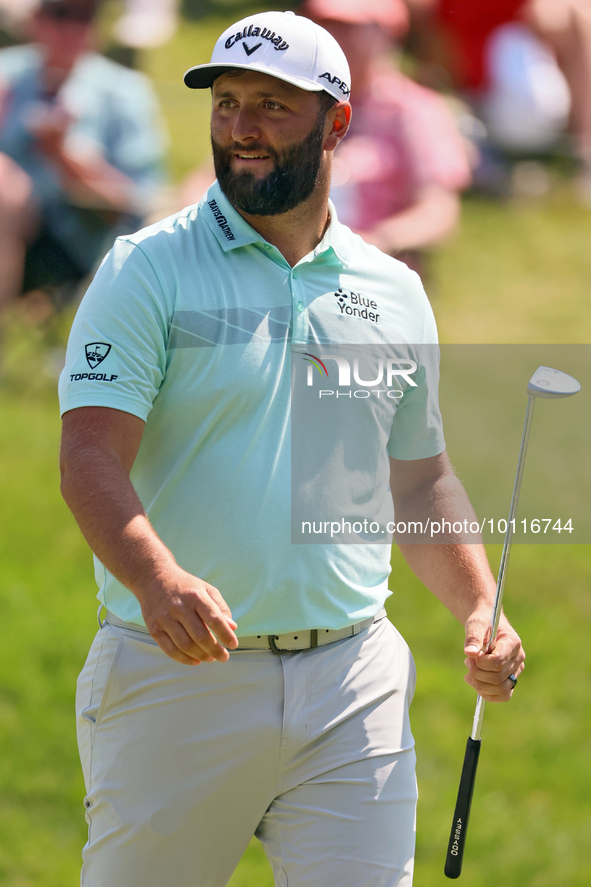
(547, 382)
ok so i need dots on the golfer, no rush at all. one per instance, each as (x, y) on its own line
(241, 683)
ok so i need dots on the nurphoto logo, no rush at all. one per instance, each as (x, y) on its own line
(389, 369)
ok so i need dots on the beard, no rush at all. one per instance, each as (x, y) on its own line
(290, 183)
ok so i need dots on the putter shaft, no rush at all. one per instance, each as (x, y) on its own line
(498, 603)
(459, 829)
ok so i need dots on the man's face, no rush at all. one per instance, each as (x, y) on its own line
(267, 138)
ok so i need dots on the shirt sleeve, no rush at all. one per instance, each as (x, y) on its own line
(417, 427)
(116, 355)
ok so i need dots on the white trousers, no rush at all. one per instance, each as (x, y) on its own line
(310, 751)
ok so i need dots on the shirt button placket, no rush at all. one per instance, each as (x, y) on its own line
(299, 312)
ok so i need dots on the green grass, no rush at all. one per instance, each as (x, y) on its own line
(514, 273)
(46, 595)
(517, 272)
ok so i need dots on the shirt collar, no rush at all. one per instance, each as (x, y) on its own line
(226, 222)
(232, 230)
(334, 238)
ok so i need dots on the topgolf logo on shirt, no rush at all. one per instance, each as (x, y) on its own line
(388, 369)
(96, 353)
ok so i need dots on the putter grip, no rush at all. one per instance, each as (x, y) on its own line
(459, 829)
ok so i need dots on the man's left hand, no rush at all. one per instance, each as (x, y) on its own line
(489, 673)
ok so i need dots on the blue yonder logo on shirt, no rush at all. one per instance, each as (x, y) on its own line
(355, 305)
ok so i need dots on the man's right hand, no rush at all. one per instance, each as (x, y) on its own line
(188, 618)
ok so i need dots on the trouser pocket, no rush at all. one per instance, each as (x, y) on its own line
(92, 692)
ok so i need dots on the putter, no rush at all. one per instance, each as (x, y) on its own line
(549, 383)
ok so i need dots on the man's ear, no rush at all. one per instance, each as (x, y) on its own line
(339, 118)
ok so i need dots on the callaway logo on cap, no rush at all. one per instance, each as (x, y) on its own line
(283, 45)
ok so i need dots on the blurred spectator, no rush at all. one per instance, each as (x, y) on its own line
(81, 151)
(398, 174)
(147, 23)
(524, 65)
(14, 11)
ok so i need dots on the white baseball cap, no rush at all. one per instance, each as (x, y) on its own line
(283, 45)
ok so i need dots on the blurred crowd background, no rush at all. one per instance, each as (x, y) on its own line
(450, 97)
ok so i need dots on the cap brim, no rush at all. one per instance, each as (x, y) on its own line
(202, 76)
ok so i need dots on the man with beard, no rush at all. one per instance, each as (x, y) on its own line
(177, 463)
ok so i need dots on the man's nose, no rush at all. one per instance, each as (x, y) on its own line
(246, 126)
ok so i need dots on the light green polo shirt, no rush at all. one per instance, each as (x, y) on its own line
(191, 325)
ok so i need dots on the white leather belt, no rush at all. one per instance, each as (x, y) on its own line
(304, 640)
(277, 643)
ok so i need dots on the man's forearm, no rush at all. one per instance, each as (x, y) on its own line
(110, 515)
(460, 576)
(458, 573)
